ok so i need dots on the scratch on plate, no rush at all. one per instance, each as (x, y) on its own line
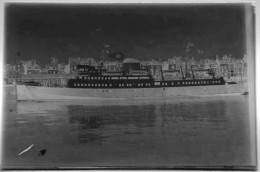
(26, 149)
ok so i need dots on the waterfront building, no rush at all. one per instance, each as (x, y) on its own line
(30, 67)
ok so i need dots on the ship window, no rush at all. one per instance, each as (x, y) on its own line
(130, 85)
(80, 77)
(75, 84)
(81, 85)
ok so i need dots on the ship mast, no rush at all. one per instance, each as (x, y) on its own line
(188, 49)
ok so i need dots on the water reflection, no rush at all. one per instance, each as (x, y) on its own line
(156, 132)
(99, 122)
(90, 122)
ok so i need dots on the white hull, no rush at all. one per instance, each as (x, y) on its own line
(62, 94)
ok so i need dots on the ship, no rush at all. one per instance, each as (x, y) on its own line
(129, 83)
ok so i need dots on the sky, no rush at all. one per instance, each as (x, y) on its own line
(140, 31)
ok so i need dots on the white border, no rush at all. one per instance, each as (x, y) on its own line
(257, 60)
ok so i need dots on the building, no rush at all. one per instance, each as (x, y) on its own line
(30, 67)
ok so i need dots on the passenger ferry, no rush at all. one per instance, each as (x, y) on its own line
(89, 77)
(131, 82)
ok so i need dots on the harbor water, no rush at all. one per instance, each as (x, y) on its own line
(169, 133)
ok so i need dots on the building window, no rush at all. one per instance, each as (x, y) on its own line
(75, 84)
(85, 77)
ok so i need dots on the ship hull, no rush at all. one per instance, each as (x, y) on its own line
(62, 94)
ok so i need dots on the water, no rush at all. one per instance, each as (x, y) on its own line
(183, 132)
